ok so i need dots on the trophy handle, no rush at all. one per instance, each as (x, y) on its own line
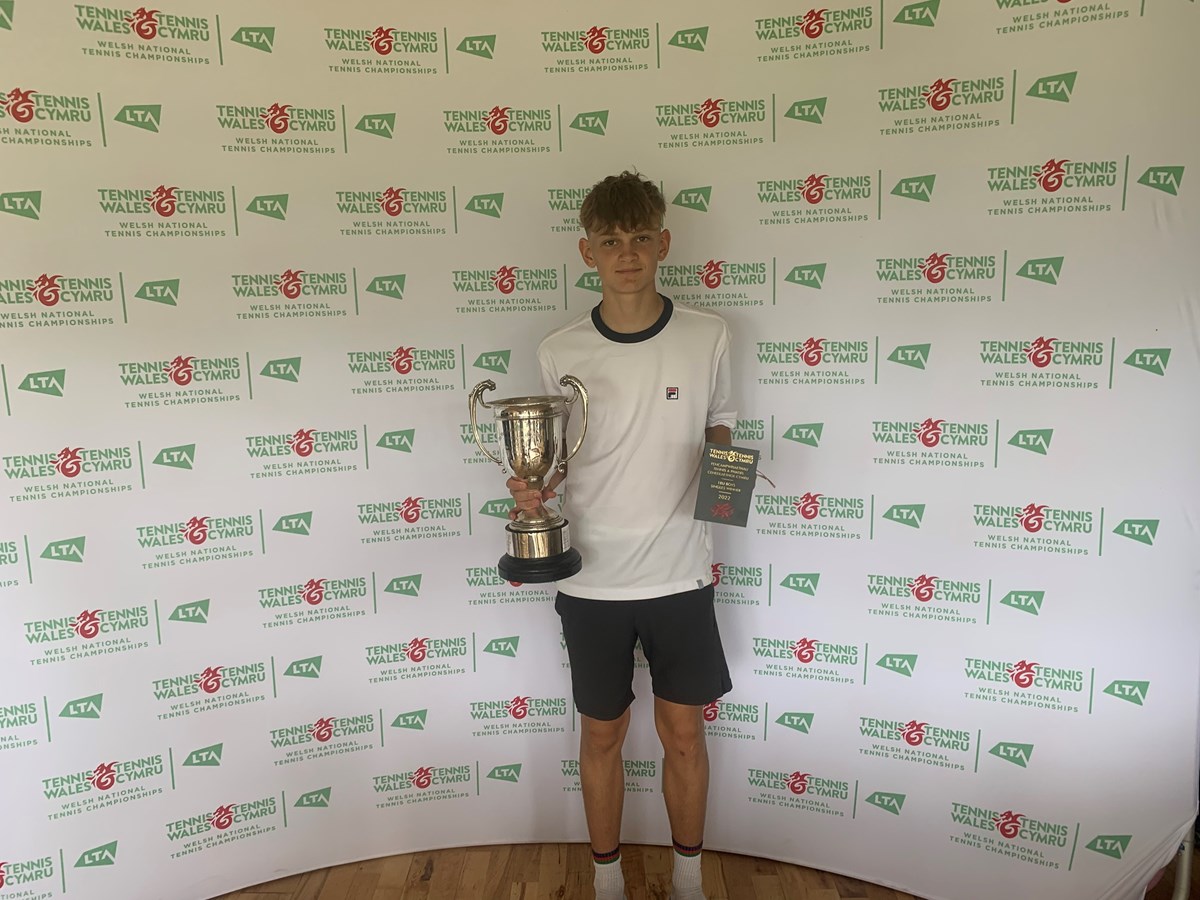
(580, 394)
(477, 397)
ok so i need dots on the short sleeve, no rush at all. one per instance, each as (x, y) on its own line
(721, 410)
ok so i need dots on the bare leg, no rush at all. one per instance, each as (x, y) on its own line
(602, 777)
(685, 788)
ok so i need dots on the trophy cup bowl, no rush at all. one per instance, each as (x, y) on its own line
(531, 433)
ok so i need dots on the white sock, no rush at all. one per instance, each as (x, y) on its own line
(685, 879)
(609, 881)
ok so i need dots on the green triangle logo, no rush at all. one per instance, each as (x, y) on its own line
(493, 361)
(909, 514)
(919, 187)
(164, 292)
(70, 550)
(26, 204)
(283, 369)
(1150, 359)
(913, 355)
(1162, 178)
(146, 117)
(797, 721)
(481, 45)
(498, 508)
(387, 286)
(1054, 87)
(1017, 754)
(901, 663)
(595, 122)
(272, 206)
(50, 383)
(398, 440)
(697, 198)
(808, 111)
(295, 523)
(379, 124)
(190, 612)
(261, 38)
(1035, 440)
(181, 457)
(1130, 691)
(511, 773)
(319, 799)
(414, 720)
(690, 39)
(891, 803)
(919, 13)
(503, 646)
(1025, 601)
(104, 855)
(305, 668)
(83, 708)
(590, 281)
(1113, 845)
(810, 276)
(486, 205)
(808, 433)
(1045, 270)
(205, 756)
(802, 582)
(6, 14)
(1144, 531)
(405, 585)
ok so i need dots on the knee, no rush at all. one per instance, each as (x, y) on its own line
(681, 739)
(603, 738)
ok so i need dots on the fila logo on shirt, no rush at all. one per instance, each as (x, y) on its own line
(672, 393)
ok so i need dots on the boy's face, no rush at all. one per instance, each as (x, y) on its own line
(626, 261)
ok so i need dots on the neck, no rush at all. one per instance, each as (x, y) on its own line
(631, 313)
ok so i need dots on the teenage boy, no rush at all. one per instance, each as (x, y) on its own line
(658, 382)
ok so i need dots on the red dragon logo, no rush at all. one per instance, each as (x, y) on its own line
(313, 592)
(939, 94)
(322, 729)
(505, 279)
(1041, 352)
(722, 511)
(163, 200)
(2, 873)
(1051, 175)
(798, 782)
(144, 23)
(708, 113)
(422, 778)
(196, 530)
(302, 442)
(914, 733)
(222, 817)
(1008, 823)
(290, 283)
(383, 40)
(813, 23)
(401, 360)
(18, 104)
(46, 290)
(418, 649)
(712, 273)
(922, 587)
(497, 119)
(180, 370)
(1022, 673)
(805, 650)
(930, 432)
(716, 573)
(210, 679)
(68, 462)
(277, 117)
(518, 707)
(103, 777)
(712, 710)
(812, 351)
(410, 509)
(809, 506)
(934, 267)
(596, 39)
(1033, 517)
(87, 624)
(391, 201)
(812, 188)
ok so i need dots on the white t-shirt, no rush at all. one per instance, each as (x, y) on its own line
(631, 490)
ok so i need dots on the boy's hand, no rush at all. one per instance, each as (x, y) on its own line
(525, 498)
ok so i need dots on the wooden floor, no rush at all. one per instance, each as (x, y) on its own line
(564, 872)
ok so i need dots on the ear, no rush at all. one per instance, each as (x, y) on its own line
(664, 244)
(585, 250)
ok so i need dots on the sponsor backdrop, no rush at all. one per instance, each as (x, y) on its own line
(255, 257)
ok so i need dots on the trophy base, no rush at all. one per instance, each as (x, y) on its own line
(539, 571)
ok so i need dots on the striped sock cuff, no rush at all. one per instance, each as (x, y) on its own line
(603, 859)
(685, 850)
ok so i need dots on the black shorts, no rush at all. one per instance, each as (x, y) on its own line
(679, 637)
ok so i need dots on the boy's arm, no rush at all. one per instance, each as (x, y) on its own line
(718, 434)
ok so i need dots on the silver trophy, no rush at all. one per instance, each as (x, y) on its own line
(531, 432)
